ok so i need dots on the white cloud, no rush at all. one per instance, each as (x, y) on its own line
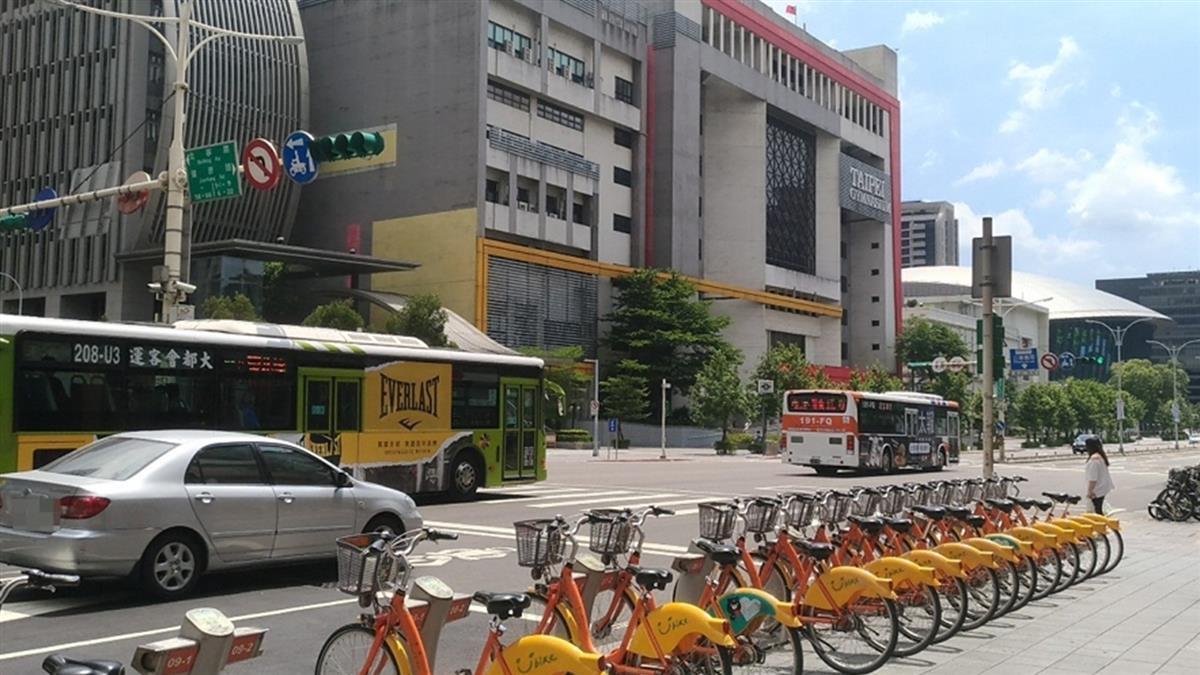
(1115, 91)
(1045, 198)
(1041, 86)
(1014, 122)
(1048, 166)
(988, 170)
(1033, 251)
(930, 159)
(914, 21)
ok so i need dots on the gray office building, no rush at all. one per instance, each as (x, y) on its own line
(928, 234)
(1177, 296)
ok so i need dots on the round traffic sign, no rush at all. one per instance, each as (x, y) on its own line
(957, 364)
(939, 364)
(1050, 361)
(131, 202)
(1066, 360)
(298, 158)
(38, 220)
(260, 162)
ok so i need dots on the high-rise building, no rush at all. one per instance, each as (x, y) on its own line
(84, 103)
(1176, 295)
(543, 148)
(928, 234)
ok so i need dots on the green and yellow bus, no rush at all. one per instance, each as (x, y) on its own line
(386, 407)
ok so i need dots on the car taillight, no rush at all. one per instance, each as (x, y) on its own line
(81, 507)
(849, 444)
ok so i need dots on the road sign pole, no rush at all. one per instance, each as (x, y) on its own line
(595, 408)
(989, 374)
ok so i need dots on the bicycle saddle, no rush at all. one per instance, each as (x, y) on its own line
(814, 549)
(1024, 503)
(503, 605)
(976, 520)
(869, 525)
(61, 664)
(1057, 496)
(1073, 499)
(901, 525)
(933, 512)
(1005, 505)
(960, 512)
(722, 554)
(651, 578)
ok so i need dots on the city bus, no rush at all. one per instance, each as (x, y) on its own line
(863, 431)
(387, 408)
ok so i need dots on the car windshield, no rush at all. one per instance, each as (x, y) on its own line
(113, 458)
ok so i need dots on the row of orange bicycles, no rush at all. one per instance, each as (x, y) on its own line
(863, 575)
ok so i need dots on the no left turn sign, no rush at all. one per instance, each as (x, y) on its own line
(261, 164)
(1050, 361)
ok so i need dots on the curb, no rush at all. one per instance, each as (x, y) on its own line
(1038, 459)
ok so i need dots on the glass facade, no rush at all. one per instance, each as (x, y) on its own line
(226, 276)
(791, 198)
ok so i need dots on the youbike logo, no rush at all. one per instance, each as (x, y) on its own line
(671, 624)
(534, 661)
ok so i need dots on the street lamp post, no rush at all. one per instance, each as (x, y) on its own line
(20, 291)
(595, 405)
(663, 438)
(1173, 351)
(180, 54)
(1119, 338)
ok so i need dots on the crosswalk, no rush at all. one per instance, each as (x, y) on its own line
(547, 500)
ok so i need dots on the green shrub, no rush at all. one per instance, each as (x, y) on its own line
(740, 441)
(724, 447)
(574, 436)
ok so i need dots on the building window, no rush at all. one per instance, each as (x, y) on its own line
(579, 213)
(843, 247)
(552, 207)
(874, 298)
(875, 272)
(491, 191)
(874, 245)
(875, 346)
(558, 115)
(623, 137)
(622, 223)
(845, 351)
(508, 96)
(566, 65)
(874, 323)
(504, 39)
(791, 240)
(622, 176)
(624, 90)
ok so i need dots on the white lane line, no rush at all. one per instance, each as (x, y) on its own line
(625, 494)
(7, 615)
(530, 492)
(687, 512)
(30, 608)
(67, 646)
(597, 498)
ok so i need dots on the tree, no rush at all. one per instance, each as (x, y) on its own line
(569, 383)
(718, 396)
(878, 380)
(281, 303)
(339, 314)
(237, 306)
(1044, 410)
(924, 340)
(785, 365)
(658, 321)
(625, 396)
(423, 318)
(1093, 403)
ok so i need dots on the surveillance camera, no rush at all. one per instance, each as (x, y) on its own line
(154, 287)
(185, 287)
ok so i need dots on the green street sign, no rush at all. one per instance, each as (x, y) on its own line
(213, 172)
(997, 345)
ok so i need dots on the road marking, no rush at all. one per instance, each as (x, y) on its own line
(597, 498)
(8, 615)
(67, 646)
(531, 492)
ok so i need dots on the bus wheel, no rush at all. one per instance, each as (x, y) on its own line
(825, 470)
(466, 474)
(889, 464)
(943, 459)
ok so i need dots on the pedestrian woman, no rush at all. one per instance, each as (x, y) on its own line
(1099, 482)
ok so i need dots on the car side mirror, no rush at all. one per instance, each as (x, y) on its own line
(341, 479)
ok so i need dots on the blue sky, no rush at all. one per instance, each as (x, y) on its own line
(1076, 125)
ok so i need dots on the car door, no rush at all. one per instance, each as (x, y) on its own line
(233, 501)
(313, 509)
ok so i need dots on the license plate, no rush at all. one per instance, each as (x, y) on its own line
(33, 512)
(816, 460)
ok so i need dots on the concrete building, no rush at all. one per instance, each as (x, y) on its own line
(1176, 295)
(543, 148)
(1050, 314)
(928, 234)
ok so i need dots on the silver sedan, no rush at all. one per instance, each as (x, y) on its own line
(167, 506)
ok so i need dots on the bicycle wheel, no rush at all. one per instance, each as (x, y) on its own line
(1027, 576)
(919, 618)
(778, 653)
(855, 639)
(1103, 553)
(346, 650)
(609, 620)
(1049, 570)
(1070, 566)
(983, 589)
(1176, 503)
(531, 618)
(1087, 558)
(1117, 544)
(954, 600)
(703, 660)
(1009, 584)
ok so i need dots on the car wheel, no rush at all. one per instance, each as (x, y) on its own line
(466, 475)
(385, 522)
(171, 565)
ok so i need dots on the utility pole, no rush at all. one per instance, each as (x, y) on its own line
(180, 55)
(595, 405)
(1119, 338)
(1174, 351)
(989, 375)
(663, 439)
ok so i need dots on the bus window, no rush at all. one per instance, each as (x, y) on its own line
(880, 417)
(69, 400)
(155, 401)
(257, 402)
(475, 400)
(348, 394)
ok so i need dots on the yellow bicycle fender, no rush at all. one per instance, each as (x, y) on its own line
(1109, 523)
(939, 562)
(845, 584)
(1036, 538)
(970, 556)
(744, 608)
(1022, 548)
(902, 572)
(672, 623)
(545, 655)
(402, 657)
(998, 551)
(1061, 536)
(1078, 530)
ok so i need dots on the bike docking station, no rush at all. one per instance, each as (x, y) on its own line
(207, 642)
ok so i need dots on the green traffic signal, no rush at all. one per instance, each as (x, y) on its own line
(348, 146)
(12, 223)
(1099, 360)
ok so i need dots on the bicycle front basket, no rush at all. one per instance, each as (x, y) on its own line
(540, 543)
(836, 509)
(892, 502)
(971, 493)
(802, 511)
(358, 558)
(716, 520)
(865, 504)
(610, 534)
(761, 516)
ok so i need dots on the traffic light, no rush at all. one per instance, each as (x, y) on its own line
(348, 146)
(12, 223)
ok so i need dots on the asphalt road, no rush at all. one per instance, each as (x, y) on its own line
(300, 606)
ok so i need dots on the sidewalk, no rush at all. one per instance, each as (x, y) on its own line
(1143, 617)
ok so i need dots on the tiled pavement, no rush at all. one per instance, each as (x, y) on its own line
(1143, 617)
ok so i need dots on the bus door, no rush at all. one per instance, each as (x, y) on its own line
(521, 416)
(330, 413)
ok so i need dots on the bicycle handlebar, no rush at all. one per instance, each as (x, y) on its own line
(45, 580)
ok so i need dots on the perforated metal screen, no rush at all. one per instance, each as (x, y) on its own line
(535, 306)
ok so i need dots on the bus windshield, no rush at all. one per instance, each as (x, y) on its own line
(816, 403)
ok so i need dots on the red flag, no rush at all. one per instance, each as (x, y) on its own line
(791, 9)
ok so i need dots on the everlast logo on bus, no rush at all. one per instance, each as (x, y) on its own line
(400, 396)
